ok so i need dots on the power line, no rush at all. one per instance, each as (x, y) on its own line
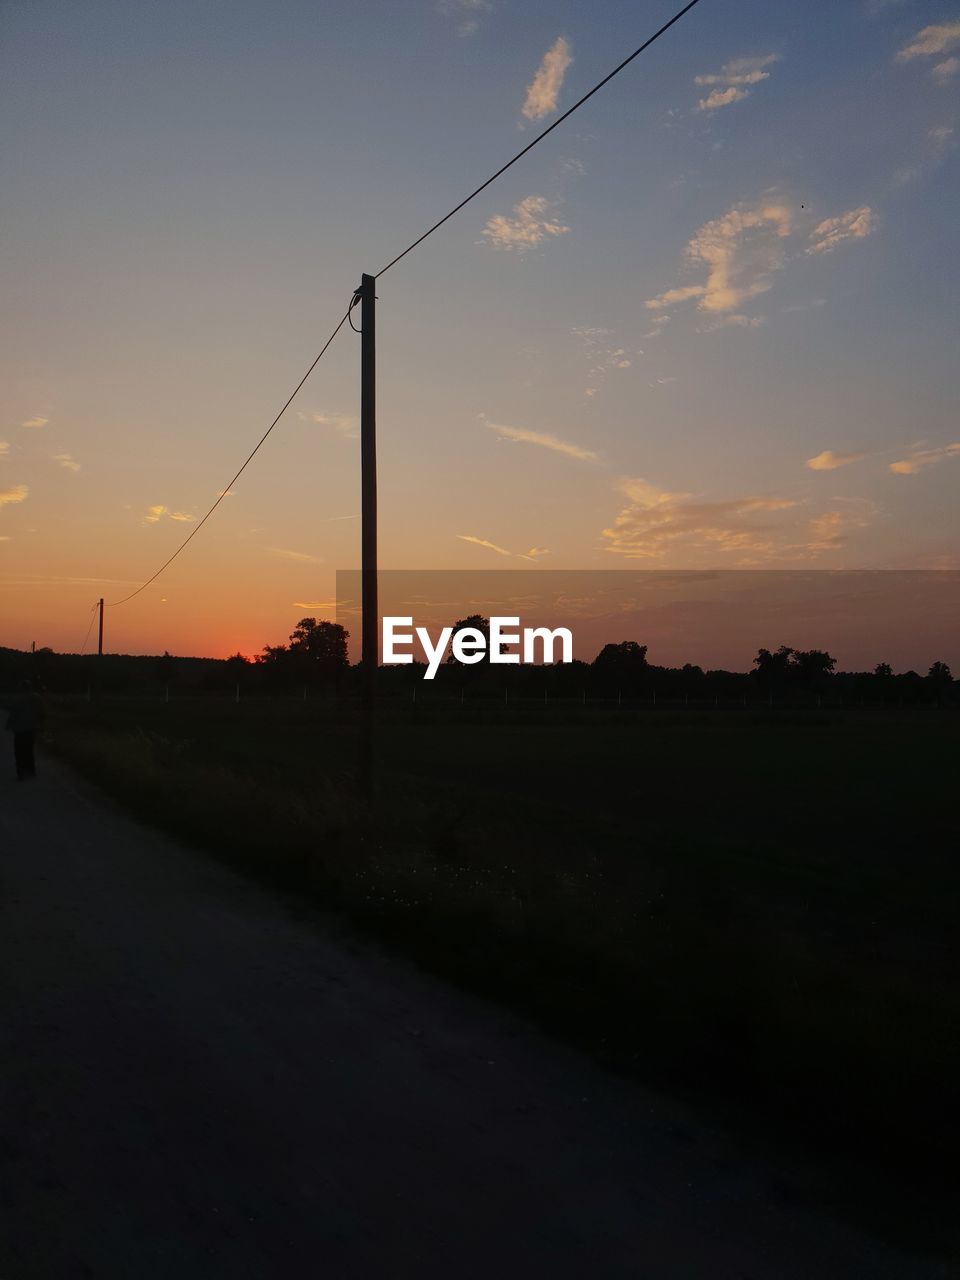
(392, 263)
(250, 456)
(89, 628)
(540, 137)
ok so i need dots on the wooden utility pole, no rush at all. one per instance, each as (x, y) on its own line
(100, 639)
(369, 620)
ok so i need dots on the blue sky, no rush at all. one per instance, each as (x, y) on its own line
(737, 258)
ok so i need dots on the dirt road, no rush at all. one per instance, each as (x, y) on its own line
(195, 1083)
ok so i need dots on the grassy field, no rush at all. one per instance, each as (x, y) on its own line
(752, 907)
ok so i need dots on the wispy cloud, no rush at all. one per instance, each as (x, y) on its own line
(534, 553)
(745, 532)
(466, 14)
(741, 252)
(659, 323)
(602, 354)
(734, 81)
(160, 512)
(855, 224)
(532, 222)
(829, 461)
(831, 530)
(483, 542)
(672, 296)
(18, 493)
(655, 521)
(931, 42)
(945, 70)
(936, 144)
(718, 98)
(544, 89)
(920, 459)
(35, 422)
(742, 71)
(737, 321)
(301, 557)
(66, 461)
(544, 439)
(4, 448)
(315, 604)
(58, 580)
(347, 424)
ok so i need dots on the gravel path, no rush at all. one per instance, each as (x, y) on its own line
(196, 1083)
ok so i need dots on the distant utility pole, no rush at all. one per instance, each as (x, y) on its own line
(100, 639)
(369, 620)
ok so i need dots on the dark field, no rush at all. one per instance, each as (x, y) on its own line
(753, 907)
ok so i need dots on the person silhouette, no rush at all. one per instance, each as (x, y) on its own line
(25, 717)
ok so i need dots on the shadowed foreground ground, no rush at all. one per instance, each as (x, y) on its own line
(195, 1083)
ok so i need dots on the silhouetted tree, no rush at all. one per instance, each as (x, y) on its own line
(773, 666)
(803, 667)
(811, 664)
(324, 643)
(273, 656)
(625, 658)
(318, 648)
(475, 622)
(317, 651)
(166, 667)
(940, 678)
(883, 671)
(621, 668)
(772, 669)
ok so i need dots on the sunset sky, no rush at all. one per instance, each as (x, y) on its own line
(711, 322)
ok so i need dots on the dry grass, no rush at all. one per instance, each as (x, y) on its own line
(752, 912)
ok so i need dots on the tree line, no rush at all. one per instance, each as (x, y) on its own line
(316, 657)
